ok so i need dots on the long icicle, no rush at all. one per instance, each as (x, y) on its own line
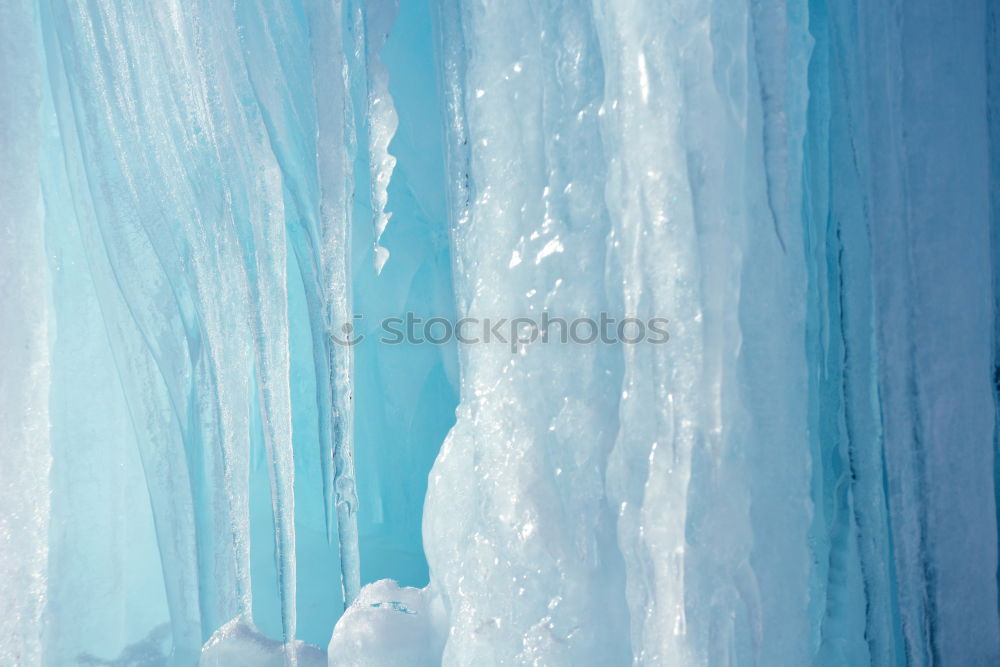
(337, 147)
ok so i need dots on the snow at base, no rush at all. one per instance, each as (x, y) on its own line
(386, 626)
(240, 643)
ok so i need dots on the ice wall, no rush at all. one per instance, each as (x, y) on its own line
(902, 199)
(804, 473)
(24, 331)
(645, 502)
(197, 197)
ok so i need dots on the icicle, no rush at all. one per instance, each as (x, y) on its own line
(271, 333)
(382, 119)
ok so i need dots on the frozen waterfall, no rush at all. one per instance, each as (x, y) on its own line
(245, 247)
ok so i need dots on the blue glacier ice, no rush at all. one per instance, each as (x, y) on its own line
(201, 201)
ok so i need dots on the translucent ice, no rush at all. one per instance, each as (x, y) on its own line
(207, 457)
(24, 345)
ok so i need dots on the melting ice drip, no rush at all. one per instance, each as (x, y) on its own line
(803, 475)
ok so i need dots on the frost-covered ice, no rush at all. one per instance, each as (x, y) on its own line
(195, 200)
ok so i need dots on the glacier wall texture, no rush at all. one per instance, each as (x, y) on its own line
(200, 201)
